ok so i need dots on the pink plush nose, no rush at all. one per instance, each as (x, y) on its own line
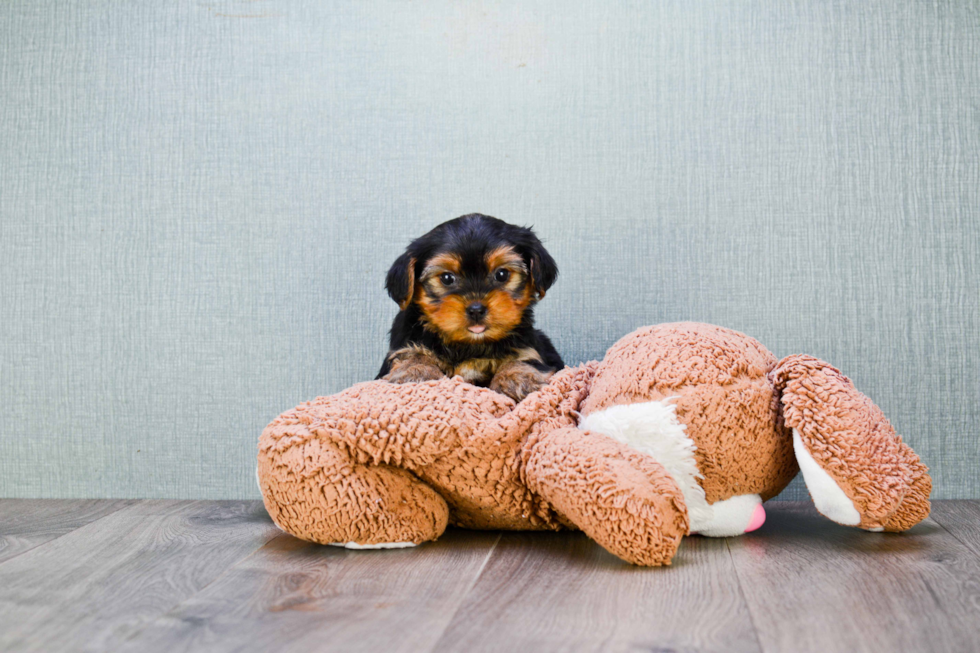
(758, 519)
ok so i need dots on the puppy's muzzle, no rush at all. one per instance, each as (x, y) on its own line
(476, 311)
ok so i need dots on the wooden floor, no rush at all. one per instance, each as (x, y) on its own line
(218, 576)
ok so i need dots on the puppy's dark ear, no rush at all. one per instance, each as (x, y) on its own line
(544, 271)
(400, 282)
(542, 267)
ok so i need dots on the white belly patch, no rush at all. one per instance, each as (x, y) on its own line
(652, 428)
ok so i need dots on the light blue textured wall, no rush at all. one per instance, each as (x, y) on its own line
(198, 203)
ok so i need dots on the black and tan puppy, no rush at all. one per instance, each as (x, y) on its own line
(467, 291)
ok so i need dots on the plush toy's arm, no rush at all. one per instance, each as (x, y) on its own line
(857, 469)
(621, 498)
(339, 469)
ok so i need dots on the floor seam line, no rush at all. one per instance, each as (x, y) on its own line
(969, 547)
(469, 590)
(55, 539)
(211, 582)
(745, 598)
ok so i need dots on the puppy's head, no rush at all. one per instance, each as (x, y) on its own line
(473, 277)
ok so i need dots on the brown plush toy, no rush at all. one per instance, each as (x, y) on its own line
(681, 428)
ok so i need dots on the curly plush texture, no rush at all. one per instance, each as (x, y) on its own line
(461, 441)
(624, 500)
(385, 463)
(719, 379)
(853, 442)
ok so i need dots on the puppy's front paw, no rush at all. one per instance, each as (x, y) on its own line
(517, 380)
(413, 364)
(413, 373)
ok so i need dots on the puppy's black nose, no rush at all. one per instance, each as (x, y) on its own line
(476, 311)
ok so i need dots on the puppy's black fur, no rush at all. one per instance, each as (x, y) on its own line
(500, 269)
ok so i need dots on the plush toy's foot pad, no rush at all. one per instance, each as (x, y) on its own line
(372, 547)
(857, 469)
(734, 516)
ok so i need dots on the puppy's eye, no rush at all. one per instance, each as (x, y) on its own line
(502, 275)
(447, 278)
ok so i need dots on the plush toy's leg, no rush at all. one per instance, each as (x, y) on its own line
(623, 499)
(857, 469)
(315, 492)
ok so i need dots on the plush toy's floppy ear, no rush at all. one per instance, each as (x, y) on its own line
(400, 282)
(857, 469)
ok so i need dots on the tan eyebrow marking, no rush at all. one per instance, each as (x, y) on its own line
(504, 257)
(441, 263)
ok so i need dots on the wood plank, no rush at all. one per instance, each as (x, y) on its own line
(296, 596)
(89, 589)
(561, 591)
(28, 523)
(813, 585)
(962, 519)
